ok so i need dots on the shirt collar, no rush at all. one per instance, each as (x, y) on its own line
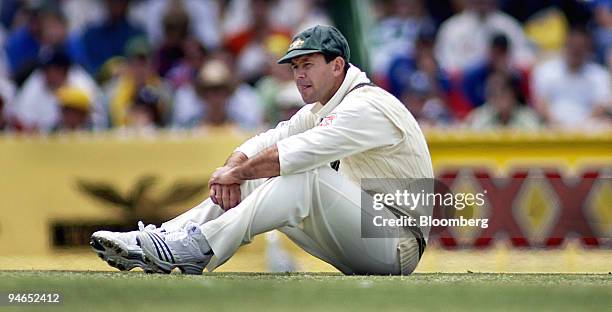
(354, 76)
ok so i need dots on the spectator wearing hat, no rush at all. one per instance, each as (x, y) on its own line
(138, 73)
(503, 107)
(216, 99)
(498, 61)
(75, 109)
(215, 88)
(109, 37)
(36, 107)
(572, 90)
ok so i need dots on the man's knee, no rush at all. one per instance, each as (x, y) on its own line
(292, 184)
(249, 186)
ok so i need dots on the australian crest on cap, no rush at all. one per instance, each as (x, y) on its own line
(296, 44)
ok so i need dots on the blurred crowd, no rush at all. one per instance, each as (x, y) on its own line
(142, 65)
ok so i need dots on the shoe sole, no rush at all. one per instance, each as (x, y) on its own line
(166, 267)
(117, 256)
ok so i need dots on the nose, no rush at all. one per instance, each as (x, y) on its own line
(299, 74)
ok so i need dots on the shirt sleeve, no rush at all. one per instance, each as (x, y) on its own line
(354, 129)
(297, 124)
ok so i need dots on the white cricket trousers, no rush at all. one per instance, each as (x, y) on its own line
(319, 210)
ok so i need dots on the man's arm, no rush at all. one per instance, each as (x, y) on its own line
(297, 124)
(225, 181)
(357, 127)
(264, 162)
(263, 165)
(227, 196)
(235, 159)
(318, 146)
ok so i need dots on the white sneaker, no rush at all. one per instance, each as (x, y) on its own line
(179, 249)
(120, 250)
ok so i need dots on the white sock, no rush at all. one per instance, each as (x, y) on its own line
(193, 230)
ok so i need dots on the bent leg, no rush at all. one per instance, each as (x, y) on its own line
(335, 228)
(319, 210)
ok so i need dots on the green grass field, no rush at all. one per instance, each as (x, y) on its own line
(136, 291)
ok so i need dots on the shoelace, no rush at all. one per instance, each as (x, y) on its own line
(149, 227)
(185, 235)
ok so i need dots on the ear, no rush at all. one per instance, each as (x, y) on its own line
(339, 66)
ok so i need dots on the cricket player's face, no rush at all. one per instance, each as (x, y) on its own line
(315, 79)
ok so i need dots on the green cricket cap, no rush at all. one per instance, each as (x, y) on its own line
(322, 39)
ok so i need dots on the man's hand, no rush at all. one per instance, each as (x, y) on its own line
(225, 188)
(225, 175)
(225, 181)
(226, 196)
